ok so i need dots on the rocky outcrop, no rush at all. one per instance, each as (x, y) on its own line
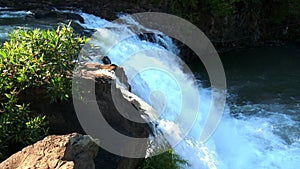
(56, 152)
(118, 109)
(63, 118)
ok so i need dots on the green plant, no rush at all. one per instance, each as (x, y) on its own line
(42, 57)
(185, 4)
(166, 160)
(220, 7)
(18, 127)
(33, 58)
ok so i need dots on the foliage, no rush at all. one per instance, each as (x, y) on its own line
(216, 7)
(281, 8)
(40, 57)
(185, 4)
(221, 7)
(271, 19)
(18, 127)
(166, 160)
(33, 58)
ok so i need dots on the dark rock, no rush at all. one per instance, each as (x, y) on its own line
(43, 14)
(74, 16)
(49, 14)
(106, 60)
(107, 94)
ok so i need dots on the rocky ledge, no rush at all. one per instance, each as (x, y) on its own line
(59, 152)
(81, 151)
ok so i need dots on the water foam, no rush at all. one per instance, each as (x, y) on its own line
(13, 14)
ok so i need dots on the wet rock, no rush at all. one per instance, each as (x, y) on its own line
(59, 152)
(74, 16)
(45, 14)
(50, 14)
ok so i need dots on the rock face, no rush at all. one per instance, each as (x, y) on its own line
(56, 152)
(110, 84)
(117, 108)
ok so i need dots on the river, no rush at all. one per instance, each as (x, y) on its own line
(260, 127)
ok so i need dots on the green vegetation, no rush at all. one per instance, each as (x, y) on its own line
(166, 160)
(221, 7)
(260, 19)
(215, 7)
(228, 7)
(33, 58)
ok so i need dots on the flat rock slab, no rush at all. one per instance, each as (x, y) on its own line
(56, 152)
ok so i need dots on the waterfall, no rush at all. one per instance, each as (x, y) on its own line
(156, 75)
(237, 143)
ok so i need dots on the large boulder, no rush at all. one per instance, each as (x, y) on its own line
(56, 152)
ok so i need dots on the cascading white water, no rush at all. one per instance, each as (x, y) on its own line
(5, 13)
(237, 143)
(246, 142)
(156, 76)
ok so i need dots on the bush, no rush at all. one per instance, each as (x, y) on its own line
(18, 127)
(166, 160)
(221, 7)
(33, 58)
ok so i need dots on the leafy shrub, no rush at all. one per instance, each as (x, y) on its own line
(166, 160)
(221, 7)
(40, 57)
(185, 4)
(216, 7)
(18, 127)
(33, 58)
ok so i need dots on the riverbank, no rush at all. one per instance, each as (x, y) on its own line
(230, 26)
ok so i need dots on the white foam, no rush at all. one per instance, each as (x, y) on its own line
(14, 14)
(90, 21)
(252, 143)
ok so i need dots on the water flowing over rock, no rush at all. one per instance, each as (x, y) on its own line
(59, 152)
